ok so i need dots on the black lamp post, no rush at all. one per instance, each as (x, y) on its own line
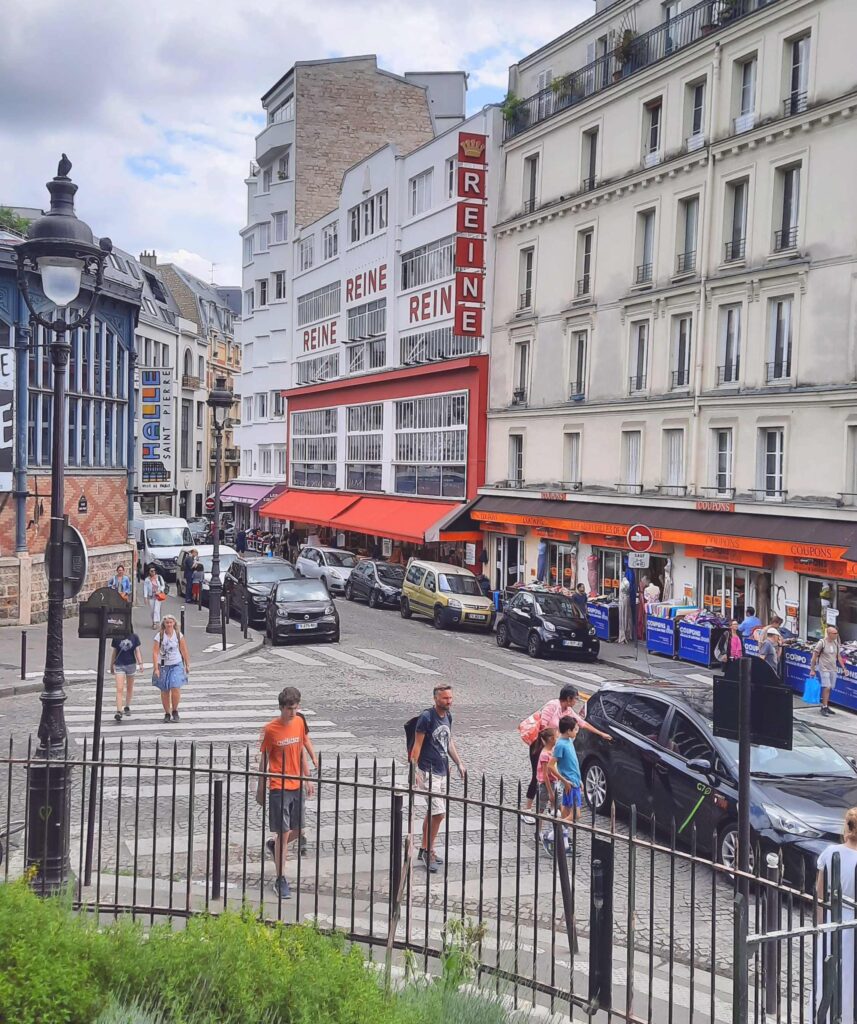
(62, 249)
(220, 402)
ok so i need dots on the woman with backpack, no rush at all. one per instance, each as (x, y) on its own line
(154, 591)
(171, 663)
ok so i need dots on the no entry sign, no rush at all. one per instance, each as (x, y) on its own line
(209, 504)
(640, 537)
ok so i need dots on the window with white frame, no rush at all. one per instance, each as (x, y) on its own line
(639, 356)
(319, 304)
(306, 253)
(262, 291)
(430, 453)
(248, 249)
(247, 414)
(721, 463)
(737, 199)
(313, 462)
(770, 482)
(787, 198)
(262, 405)
(688, 226)
(521, 378)
(438, 343)
(516, 458)
(283, 165)
(263, 237)
(368, 320)
(798, 75)
(367, 218)
(451, 188)
(525, 277)
(729, 364)
(330, 241)
(419, 192)
(695, 116)
(278, 405)
(585, 240)
(428, 263)
(246, 461)
(249, 304)
(279, 284)
(673, 462)
(652, 131)
(645, 247)
(367, 355)
(577, 385)
(681, 332)
(632, 469)
(281, 225)
(779, 365)
(280, 461)
(745, 88)
(364, 446)
(284, 111)
(265, 460)
(317, 369)
(571, 458)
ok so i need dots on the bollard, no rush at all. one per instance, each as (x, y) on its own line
(217, 841)
(182, 621)
(223, 619)
(245, 616)
(24, 654)
(772, 923)
(199, 599)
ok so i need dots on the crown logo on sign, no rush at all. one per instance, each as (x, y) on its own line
(473, 148)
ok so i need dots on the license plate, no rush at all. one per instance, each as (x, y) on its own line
(572, 643)
(307, 625)
(478, 618)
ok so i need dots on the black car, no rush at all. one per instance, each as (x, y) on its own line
(379, 583)
(542, 621)
(248, 582)
(301, 609)
(665, 760)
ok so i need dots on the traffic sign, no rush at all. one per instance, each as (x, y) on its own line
(209, 503)
(75, 561)
(640, 537)
(638, 560)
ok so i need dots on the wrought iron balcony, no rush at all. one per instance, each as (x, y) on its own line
(643, 274)
(525, 299)
(519, 396)
(728, 373)
(735, 250)
(769, 494)
(583, 286)
(191, 383)
(780, 369)
(685, 262)
(673, 490)
(785, 239)
(576, 389)
(530, 205)
(629, 488)
(588, 184)
(794, 104)
(231, 454)
(680, 378)
(637, 383)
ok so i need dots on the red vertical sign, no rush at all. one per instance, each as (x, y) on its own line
(471, 179)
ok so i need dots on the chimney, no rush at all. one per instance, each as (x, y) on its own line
(149, 259)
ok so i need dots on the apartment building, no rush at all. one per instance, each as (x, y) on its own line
(673, 335)
(386, 413)
(320, 119)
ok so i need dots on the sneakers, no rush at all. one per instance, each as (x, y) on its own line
(282, 889)
(167, 717)
(127, 711)
(429, 860)
(117, 717)
(528, 819)
(175, 716)
(825, 709)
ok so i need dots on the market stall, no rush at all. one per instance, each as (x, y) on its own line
(604, 616)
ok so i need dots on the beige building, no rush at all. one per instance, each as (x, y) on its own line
(674, 309)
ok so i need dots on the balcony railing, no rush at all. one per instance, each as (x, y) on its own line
(231, 454)
(785, 239)
(629, 488)
(583, 286)
(794, 104)
(728, 372)
(525, 299)
(576, 389)
(519, 396)
(685, 262)
(780, 369)
(643, 274)
(727, 493)
(191, 383)
(645, 49)
(588, 184)
(680, 378)
(673, 490)
(530, 205)
(769, 494)
(637, 383)
(735, 250)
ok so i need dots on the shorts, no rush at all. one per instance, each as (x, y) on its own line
(545, 794)
(285, 810)
(827, 679)
(125, 670)
(439, 785)
(573, 797)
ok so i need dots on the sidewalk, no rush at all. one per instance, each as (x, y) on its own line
(81, 656)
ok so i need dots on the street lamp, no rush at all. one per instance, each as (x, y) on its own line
(62, 249)
(220, 402)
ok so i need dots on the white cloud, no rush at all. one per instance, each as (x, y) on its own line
(156, 103)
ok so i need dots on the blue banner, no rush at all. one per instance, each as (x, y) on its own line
(694, 643)
(599, 617)
(660, 635)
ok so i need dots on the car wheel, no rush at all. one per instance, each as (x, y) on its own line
(596, 787)
(503, 638)
(534, 646)
(373, 598)
(727, 847)
(405, 608)
(349, 591)
(437, 619)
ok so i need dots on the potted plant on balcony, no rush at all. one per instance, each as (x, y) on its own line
(623, 52)
(514, 110)
(568, 90)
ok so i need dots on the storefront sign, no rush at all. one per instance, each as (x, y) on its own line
(155, 449)
(432, 304)
(715, 506)
(321, 335)
(386, 547)
(604, 619)
(748, 558)
(7, 437)
(696, 642)
(470, 218)
(660, 635)
(470, 554)
(831, 615)
(554, 496)
(471, 235)
(821, 567)
(366, 284)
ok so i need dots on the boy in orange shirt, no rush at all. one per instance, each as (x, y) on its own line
(282, 745)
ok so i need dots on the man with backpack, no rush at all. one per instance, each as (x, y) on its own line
(430, 746)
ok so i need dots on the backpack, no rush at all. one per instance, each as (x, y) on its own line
(411, 731)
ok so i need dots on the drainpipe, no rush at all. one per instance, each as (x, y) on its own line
(705, 248)
(22, 341)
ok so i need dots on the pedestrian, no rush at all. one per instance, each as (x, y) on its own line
(121, 583)
(771, 648)
(241, 541)
(432, 748)
(155, 591)
(546, 802)
(730, 646)
(283, 744)
(197, 580)
(484, 584)
(847, 853)
(190, 560)
(171, 665)
(548, 718)
(565, 767)
(749, 623)
(125, 659)
(579, 599)
(777, 623)
(826, 658)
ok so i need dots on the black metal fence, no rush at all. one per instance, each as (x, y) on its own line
(609, 920)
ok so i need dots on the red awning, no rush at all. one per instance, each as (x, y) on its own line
(396, 518)
(314, 507)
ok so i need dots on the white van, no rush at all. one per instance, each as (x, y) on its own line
(159, 541)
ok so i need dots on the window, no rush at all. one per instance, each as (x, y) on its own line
(246, 461)
(645, 246)
(247, 414)
(584, 263)
(609, 572)
(248, 249)
(451, 190)
(525, 278)
(681, 352)
(729, 367)
(312, 371)
(279, 284)
(779, 366)
(516, 458)
(722, 463)
(746, 86)
(577, 387)
(367, 355)
(248, 305)
(280, 461)
(199, 454)
(200, 414)
(652, 138)
(314, 448)
(439, 343)
(788, 199)
(798, 52)
(367, 218)
(695, 116)
(278, 404)
(632, 443)
(687, 741)
(365, 443)
(428, 263)
(571, 443)
(522, 373)
(531, 182)
(419, 193)
(590, 159)
(200, 370)
(688, 221)
(187, 420)
(639, 356)
(771, 455)
(281, 226)
(644, 716)
(736, 204)
(283, 166)
(320, 304)
(262, 405)
(265, 461)
(368, 320)
(262, 291)
(307, 253)
(330, 241)
(284, 111)
(673, 463)
(430, 455)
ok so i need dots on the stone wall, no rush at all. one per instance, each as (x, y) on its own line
(345, 110)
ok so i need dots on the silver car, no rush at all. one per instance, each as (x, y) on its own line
(332, 565)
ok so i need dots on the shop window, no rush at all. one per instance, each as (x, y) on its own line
(509, 561)
(609, 572)
(562, 565)
(828, 602)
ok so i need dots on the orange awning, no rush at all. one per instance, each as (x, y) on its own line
(396, 518)
(315, 507)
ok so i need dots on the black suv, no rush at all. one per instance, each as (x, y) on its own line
(249, 581)
(379, 583)
(541, 621)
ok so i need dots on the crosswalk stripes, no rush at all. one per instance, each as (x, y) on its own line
(510, 672)
(296, 657)
(391, 659)
(346, 659)
(699, 677)
(590, 677)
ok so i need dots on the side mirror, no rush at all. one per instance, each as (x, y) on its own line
(139, 545)
(701, 765)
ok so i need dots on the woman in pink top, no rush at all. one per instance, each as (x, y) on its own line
(730, 647)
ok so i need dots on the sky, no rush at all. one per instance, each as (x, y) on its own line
(156, 102)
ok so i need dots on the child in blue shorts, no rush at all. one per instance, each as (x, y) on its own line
(565, 766)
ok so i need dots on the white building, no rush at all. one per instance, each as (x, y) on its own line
(674, 316)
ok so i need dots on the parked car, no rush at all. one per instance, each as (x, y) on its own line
(332, 565)
(666, 761)
(301, 609)
(447, 594)
(379, 583)
(205, 552)
(248, 583)
(540, 622)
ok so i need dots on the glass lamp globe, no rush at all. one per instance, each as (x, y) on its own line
(60, 278)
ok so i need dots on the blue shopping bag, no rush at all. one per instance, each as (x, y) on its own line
(812, 690)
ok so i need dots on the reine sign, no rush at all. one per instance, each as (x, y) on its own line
(471, 235)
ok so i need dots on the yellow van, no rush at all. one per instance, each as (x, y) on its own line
(449, 595)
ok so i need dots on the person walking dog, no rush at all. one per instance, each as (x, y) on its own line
(171, 666)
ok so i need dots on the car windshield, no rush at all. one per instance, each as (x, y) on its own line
(809, 755)
(302, 590)
(225, 561)
(457, 583)
(168, 537)
(391, 573)
(265, 571)
(341, 558)
(556, 604)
